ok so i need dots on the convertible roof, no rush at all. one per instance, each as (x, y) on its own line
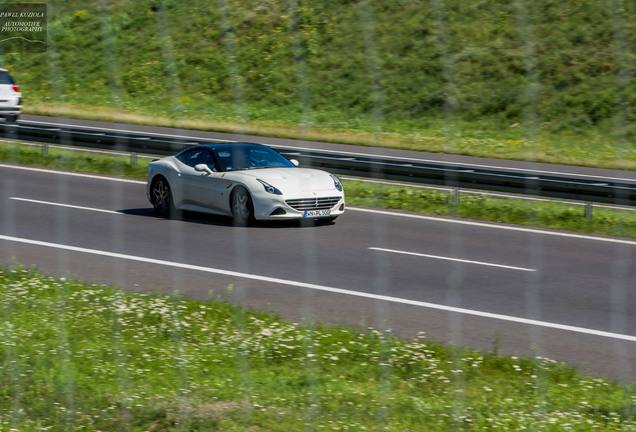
(222, 145)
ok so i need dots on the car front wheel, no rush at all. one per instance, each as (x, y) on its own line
(242, 209)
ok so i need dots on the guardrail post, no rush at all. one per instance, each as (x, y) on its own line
(133, 159)
(454, 198)
(588, 210)
(45, 149)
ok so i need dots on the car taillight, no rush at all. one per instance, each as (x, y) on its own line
(16, 88)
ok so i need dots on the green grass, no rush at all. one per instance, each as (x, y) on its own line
(76, 356)
(544, 80)
(556, 215)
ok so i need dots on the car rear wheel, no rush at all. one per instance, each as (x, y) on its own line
(161, 198)
(242, 208)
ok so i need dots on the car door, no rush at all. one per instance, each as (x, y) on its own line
(202, 189)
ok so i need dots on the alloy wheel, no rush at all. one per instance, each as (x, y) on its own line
(241, 206)
(160, 196)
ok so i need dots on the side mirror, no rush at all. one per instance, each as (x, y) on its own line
(294, 162)
(203, 168)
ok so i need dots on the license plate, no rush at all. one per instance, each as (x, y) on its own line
(315, 213)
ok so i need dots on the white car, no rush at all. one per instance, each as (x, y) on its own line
(10, 97)
(245, 181)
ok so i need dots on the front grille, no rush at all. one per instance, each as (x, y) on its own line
(313, 203)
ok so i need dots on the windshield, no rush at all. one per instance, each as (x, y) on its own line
(243, 157)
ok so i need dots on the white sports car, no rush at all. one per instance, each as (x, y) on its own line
(245, 181)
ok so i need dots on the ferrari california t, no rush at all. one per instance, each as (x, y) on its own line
(245, 181)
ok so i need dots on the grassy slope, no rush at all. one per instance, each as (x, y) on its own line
(86, 357)
(545, 80)
(506, 210)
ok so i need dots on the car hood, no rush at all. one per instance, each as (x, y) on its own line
(295, 180)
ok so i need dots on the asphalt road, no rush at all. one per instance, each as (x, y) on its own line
(529, 292)
(360, 150)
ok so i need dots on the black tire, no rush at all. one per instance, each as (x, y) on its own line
(11, 118)
(161, 198)
(242, 207)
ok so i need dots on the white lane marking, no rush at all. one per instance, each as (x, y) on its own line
(508, 318)
(382, 212)
(64, 205)
(439, 257)
(125, 130)
(48, 171)
(466, 164)
(494, 226)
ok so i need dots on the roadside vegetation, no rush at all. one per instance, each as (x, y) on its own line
(78, 356)
(543, 214)
(536, 80)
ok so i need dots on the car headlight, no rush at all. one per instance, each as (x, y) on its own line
(336, 182)
(269, 188)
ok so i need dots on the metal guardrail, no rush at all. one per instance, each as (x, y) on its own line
(459, 176)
